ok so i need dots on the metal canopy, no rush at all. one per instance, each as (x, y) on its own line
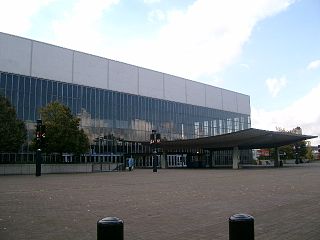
(245, 139)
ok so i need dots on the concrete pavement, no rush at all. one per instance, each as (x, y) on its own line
(170, 204)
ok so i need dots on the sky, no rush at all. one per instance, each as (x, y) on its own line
(267, 49)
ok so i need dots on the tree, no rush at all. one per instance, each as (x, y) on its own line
(296, 150)
(301, 150)
(309, 154)
(62, 130)
(13, 131)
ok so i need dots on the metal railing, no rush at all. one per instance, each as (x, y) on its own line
(30, 158)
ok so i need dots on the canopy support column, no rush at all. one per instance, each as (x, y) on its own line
(277, 157)
(235, 158)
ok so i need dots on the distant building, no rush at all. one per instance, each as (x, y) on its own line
(297, 130)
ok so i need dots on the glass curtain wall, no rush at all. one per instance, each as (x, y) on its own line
(109, 113)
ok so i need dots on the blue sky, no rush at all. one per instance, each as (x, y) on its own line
(268, 49)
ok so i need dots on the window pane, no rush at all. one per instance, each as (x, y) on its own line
(83, 97)
(54, 89)
(15, 81)
(33, 85)
(32, 106)
(9, 82)
(26, 106)
(3, 80)
(44, 92)
(59, 85)
(65, 90)
(20, 103)
(38, 94)
(88, 100)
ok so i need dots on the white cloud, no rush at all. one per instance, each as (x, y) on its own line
(275, 85)
(81, 27)
(245, 66)
(201, 40)
(314, 65)
(195, 43)
(151, 1)
(156, 15)
(303, 113)
(15, 16)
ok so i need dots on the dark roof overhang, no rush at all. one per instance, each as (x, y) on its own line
(245, 139)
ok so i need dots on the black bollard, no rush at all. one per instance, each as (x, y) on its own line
(155, 163)
(38, 162)
(241, 227)
(110, 228)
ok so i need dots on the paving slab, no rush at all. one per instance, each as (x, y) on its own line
(171, 204)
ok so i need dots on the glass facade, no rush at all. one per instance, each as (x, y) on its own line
(122, 115)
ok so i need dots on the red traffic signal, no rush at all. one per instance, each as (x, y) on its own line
(152, 140)
(155, 137)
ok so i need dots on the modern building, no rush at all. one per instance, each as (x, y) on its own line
(119, 104)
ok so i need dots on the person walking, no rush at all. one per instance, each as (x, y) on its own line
(130, 163)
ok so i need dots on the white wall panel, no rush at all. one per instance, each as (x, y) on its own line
(229, 101)
(90, 70)
(15, 54)
(51, 62)
(150, 83)
(28, 57)
(196, 93)
(243, 103)
(213, 97)
(174, 88)
(123, 77)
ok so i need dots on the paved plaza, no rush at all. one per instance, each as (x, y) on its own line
(168, 205)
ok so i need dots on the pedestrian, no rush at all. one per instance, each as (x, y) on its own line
(130, 164)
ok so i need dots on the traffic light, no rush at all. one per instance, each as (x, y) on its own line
(43, 132)
(40, 133)
(155, 138)
(152, 139)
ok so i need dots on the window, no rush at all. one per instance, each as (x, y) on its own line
(59, 87)
(241, 123)
(196, 129)
(221, 127)
(54, 89)
(44, 92)
(93, 103)
(206, 128)
(229, 125)
(38, 97)
(3, 80)
(101, 113)
(214, 130)
(236, 124)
